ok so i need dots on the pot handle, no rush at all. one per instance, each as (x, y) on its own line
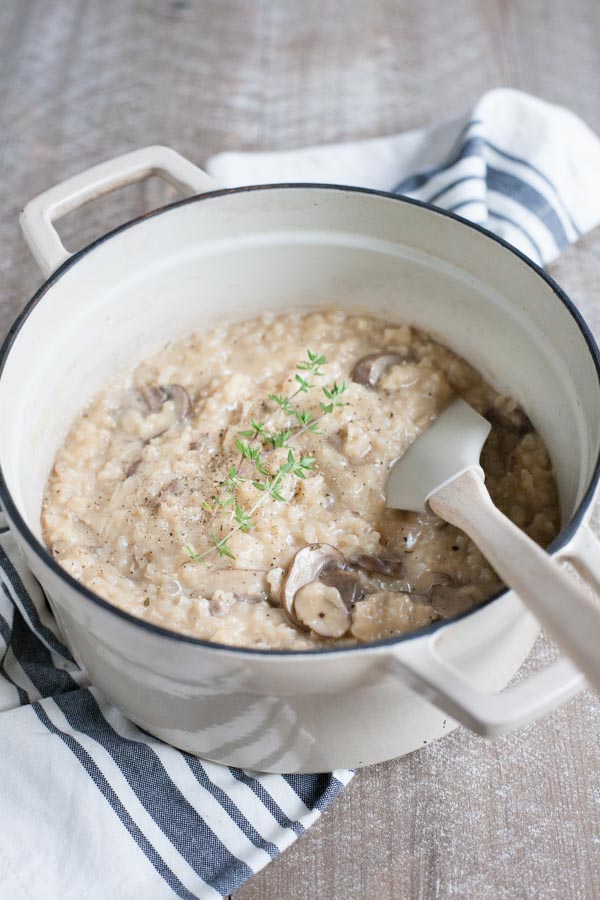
(39, 214)
(420, 666)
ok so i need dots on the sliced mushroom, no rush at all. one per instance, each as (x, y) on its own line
(307, 565)
(154, 397)
(448, 601)
(347, 583)
(420, 599)
(180, 398)
(512, 418)
(429, 580)
(380, 565)
(161, 418)
(132, 469)
(369, 369)
(322, 609)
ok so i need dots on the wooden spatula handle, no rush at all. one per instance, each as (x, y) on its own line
(561, 605)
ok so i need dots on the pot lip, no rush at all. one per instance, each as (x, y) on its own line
(48, 560)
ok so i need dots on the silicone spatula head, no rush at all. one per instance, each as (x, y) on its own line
(450, 445)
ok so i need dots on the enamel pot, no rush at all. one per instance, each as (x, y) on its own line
(230, 254)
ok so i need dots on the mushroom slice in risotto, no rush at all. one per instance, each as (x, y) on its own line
(369, 369)
(380, 565)
(155, 398)
(330, 590)
(429, 580)
(347, 583)
(322, 609)
(448, 600)
(506, 414)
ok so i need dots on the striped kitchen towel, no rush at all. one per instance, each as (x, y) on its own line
(90, 806)
(93, 808)
(525, 169)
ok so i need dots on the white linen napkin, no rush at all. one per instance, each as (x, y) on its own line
(92, 807)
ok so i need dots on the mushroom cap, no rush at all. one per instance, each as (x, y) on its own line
(132, 468)
(426, 582)
(322, 609)
(155, 397)
(180, 397)
(347, 583)
(511, 418)
(305, 567)
(369, 369)
(381, 565)
(448, 600)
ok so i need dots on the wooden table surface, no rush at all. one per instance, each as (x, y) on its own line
(83, 80)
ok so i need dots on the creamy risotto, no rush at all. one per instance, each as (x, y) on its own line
(231, 487)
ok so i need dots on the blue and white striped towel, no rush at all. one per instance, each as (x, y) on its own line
(90, 806)
(93, 808)
(523, 168)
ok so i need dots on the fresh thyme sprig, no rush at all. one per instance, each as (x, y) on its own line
(254, 444)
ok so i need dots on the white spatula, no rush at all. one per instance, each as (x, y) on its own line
(440, 471)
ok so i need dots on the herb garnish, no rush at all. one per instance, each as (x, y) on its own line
(255, 443)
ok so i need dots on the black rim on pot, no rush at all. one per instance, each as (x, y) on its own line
(40, 550)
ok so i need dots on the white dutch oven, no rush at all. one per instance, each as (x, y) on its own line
(229, 254)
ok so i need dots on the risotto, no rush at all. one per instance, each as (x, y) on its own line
(231, 487)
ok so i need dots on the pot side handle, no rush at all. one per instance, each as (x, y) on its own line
(420, 667)
(39, 214)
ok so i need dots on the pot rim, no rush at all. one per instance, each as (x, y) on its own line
(45, 557)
